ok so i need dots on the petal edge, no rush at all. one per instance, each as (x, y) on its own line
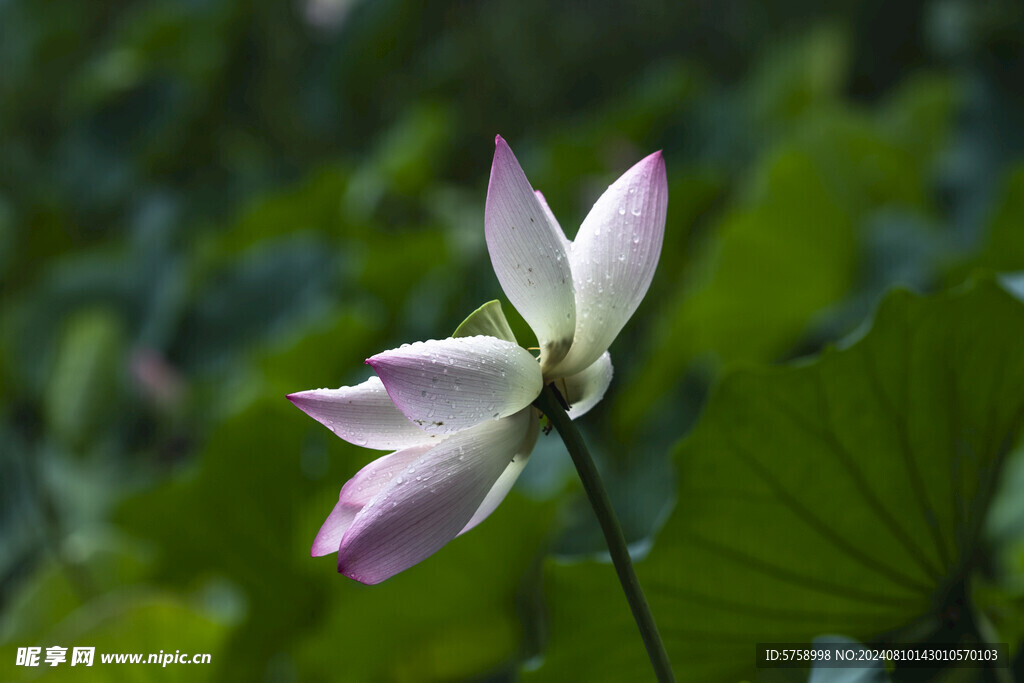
(452, 384)
(528, 253)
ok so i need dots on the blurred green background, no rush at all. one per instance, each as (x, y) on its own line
(206, 205)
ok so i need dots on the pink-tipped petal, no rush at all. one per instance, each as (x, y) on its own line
(363, 415)
(528, 253)
(451, 384)
(357, 492)
(614, 257)
(426, 506)
(585, 389)
(508, 478)
(328, 539)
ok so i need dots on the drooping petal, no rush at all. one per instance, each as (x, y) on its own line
(511, 473)
(426, 506)
(585, 389)
(363, 415)
(613, 259)
(360, 490)
(328, 539)
(528, 253)
(451, 384)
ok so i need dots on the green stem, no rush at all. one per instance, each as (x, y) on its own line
(550, 403)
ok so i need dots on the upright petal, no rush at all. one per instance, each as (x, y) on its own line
(566, 244)
(427, 505)
(528, 253)
(363, 415)
(510, 475)
(585, 389)
(360, 490)
(613, 259)
(450, 384)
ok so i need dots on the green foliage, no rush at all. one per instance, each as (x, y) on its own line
(842, 495)
(102, 601)
(795, 241)
(84, 379)
(487, 320)
(773, 264)
(1005, 247)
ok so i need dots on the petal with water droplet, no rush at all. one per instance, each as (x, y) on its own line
(360, 490)
(511, 474)
(528, 252)
(486, 370)
(613, 259)
(363, 415)
(407, 522)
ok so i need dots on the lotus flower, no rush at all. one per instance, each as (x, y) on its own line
(457, 412)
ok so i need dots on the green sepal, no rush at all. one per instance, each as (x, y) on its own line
(488, 320)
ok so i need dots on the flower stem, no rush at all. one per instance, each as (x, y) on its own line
(551, 404)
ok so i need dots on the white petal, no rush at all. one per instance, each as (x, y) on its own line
(613, 259)
(427, 505)
(585, 389)
(360, 490)
(450, 384)
(510, 475)
(566, 244)
(363, 415)
(528, 253)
